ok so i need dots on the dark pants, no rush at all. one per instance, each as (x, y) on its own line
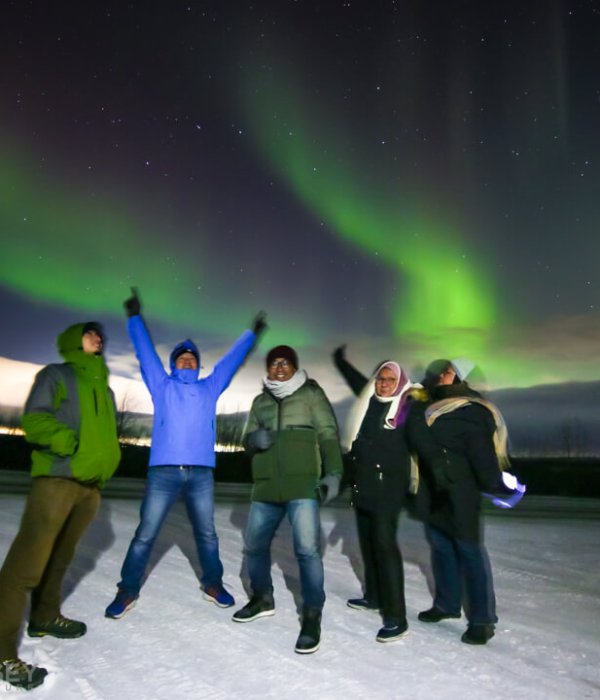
(462, 565)
(384, 570)
(56, 515)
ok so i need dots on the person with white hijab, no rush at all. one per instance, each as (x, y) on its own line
(380, 471)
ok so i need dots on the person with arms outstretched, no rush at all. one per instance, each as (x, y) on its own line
(182, 456)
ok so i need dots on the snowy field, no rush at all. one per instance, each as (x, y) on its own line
(174, 645)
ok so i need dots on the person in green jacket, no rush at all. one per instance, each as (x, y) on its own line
(70, 419)
(293, 436)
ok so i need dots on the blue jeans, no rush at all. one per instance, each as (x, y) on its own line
(263, 521)
(454, 561)
(164, 486)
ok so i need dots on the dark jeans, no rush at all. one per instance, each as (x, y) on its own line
(164, 486)
(263, 521)
(384, 570)
(56, 515)
(457, 565)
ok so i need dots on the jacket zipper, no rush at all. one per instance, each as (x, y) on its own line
(279, 446)
(95, 401)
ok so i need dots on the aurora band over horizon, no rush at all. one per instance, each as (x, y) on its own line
(446, 300)
(63, 248)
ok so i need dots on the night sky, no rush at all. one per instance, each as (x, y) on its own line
(416, 179)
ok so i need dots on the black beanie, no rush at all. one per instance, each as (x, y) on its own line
(96, 327)
(285, 352)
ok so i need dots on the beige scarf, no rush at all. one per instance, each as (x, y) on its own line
(438, 409)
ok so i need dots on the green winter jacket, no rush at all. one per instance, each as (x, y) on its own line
(70, 416)
(305, 446)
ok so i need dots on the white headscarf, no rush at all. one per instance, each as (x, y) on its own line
(397, 401)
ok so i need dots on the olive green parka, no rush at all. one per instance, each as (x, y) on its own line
(305, 445)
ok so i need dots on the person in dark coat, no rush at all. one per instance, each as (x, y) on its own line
(460, 441)
(378, 467)
(293, 438)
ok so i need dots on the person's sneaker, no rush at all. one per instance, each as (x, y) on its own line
(362, 604)
(219, 596)
(310, 633)
(391, 632)
(60, 627)
(436, 615)
(257, 606)
(20, 674)
(478, 634)
(122, 603)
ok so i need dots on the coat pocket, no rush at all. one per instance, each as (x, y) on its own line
(262, 468)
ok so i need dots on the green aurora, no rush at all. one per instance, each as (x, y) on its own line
(445, 295)
(64, 248)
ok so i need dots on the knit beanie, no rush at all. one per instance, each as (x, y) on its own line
(285, 352)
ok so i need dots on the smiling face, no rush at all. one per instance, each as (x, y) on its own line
(280, 370)
(386, 382)
(91, 342)
(187, 360)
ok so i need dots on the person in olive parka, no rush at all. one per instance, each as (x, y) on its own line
(378, 468)
(460, 441)
(70, 419)
(296, 461)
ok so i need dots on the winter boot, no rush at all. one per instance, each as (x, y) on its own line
(436, 615)
(257, 606)
(310, 633)
(478, 634)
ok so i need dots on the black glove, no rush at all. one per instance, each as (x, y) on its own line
(133, 306)
(259, 324)
(260, 440)
(328, 488)
(339, 354)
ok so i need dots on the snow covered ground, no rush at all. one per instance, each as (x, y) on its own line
(174, 645)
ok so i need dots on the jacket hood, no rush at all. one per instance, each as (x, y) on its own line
(70, 346)
(185, 346)
(69, 340)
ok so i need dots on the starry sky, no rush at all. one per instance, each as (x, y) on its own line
(414, 179)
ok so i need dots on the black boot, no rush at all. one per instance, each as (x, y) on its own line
(310, 633)
(436, 615)
(257, 606)
(478, 634)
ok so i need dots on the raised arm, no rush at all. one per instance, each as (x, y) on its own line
(229, 364)
(152, 368)
(355, 379)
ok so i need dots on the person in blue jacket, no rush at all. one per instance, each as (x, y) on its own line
(182, 456)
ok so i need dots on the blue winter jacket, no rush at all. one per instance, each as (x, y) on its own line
(184, 405)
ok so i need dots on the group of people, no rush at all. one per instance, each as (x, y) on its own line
(438, 442)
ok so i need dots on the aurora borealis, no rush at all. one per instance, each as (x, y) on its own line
(414, 179)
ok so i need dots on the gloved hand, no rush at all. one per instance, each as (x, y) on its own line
(259, 324)
(328, 488)
(508, 492)
(260, 440)
(133, 306)
(339, 354)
